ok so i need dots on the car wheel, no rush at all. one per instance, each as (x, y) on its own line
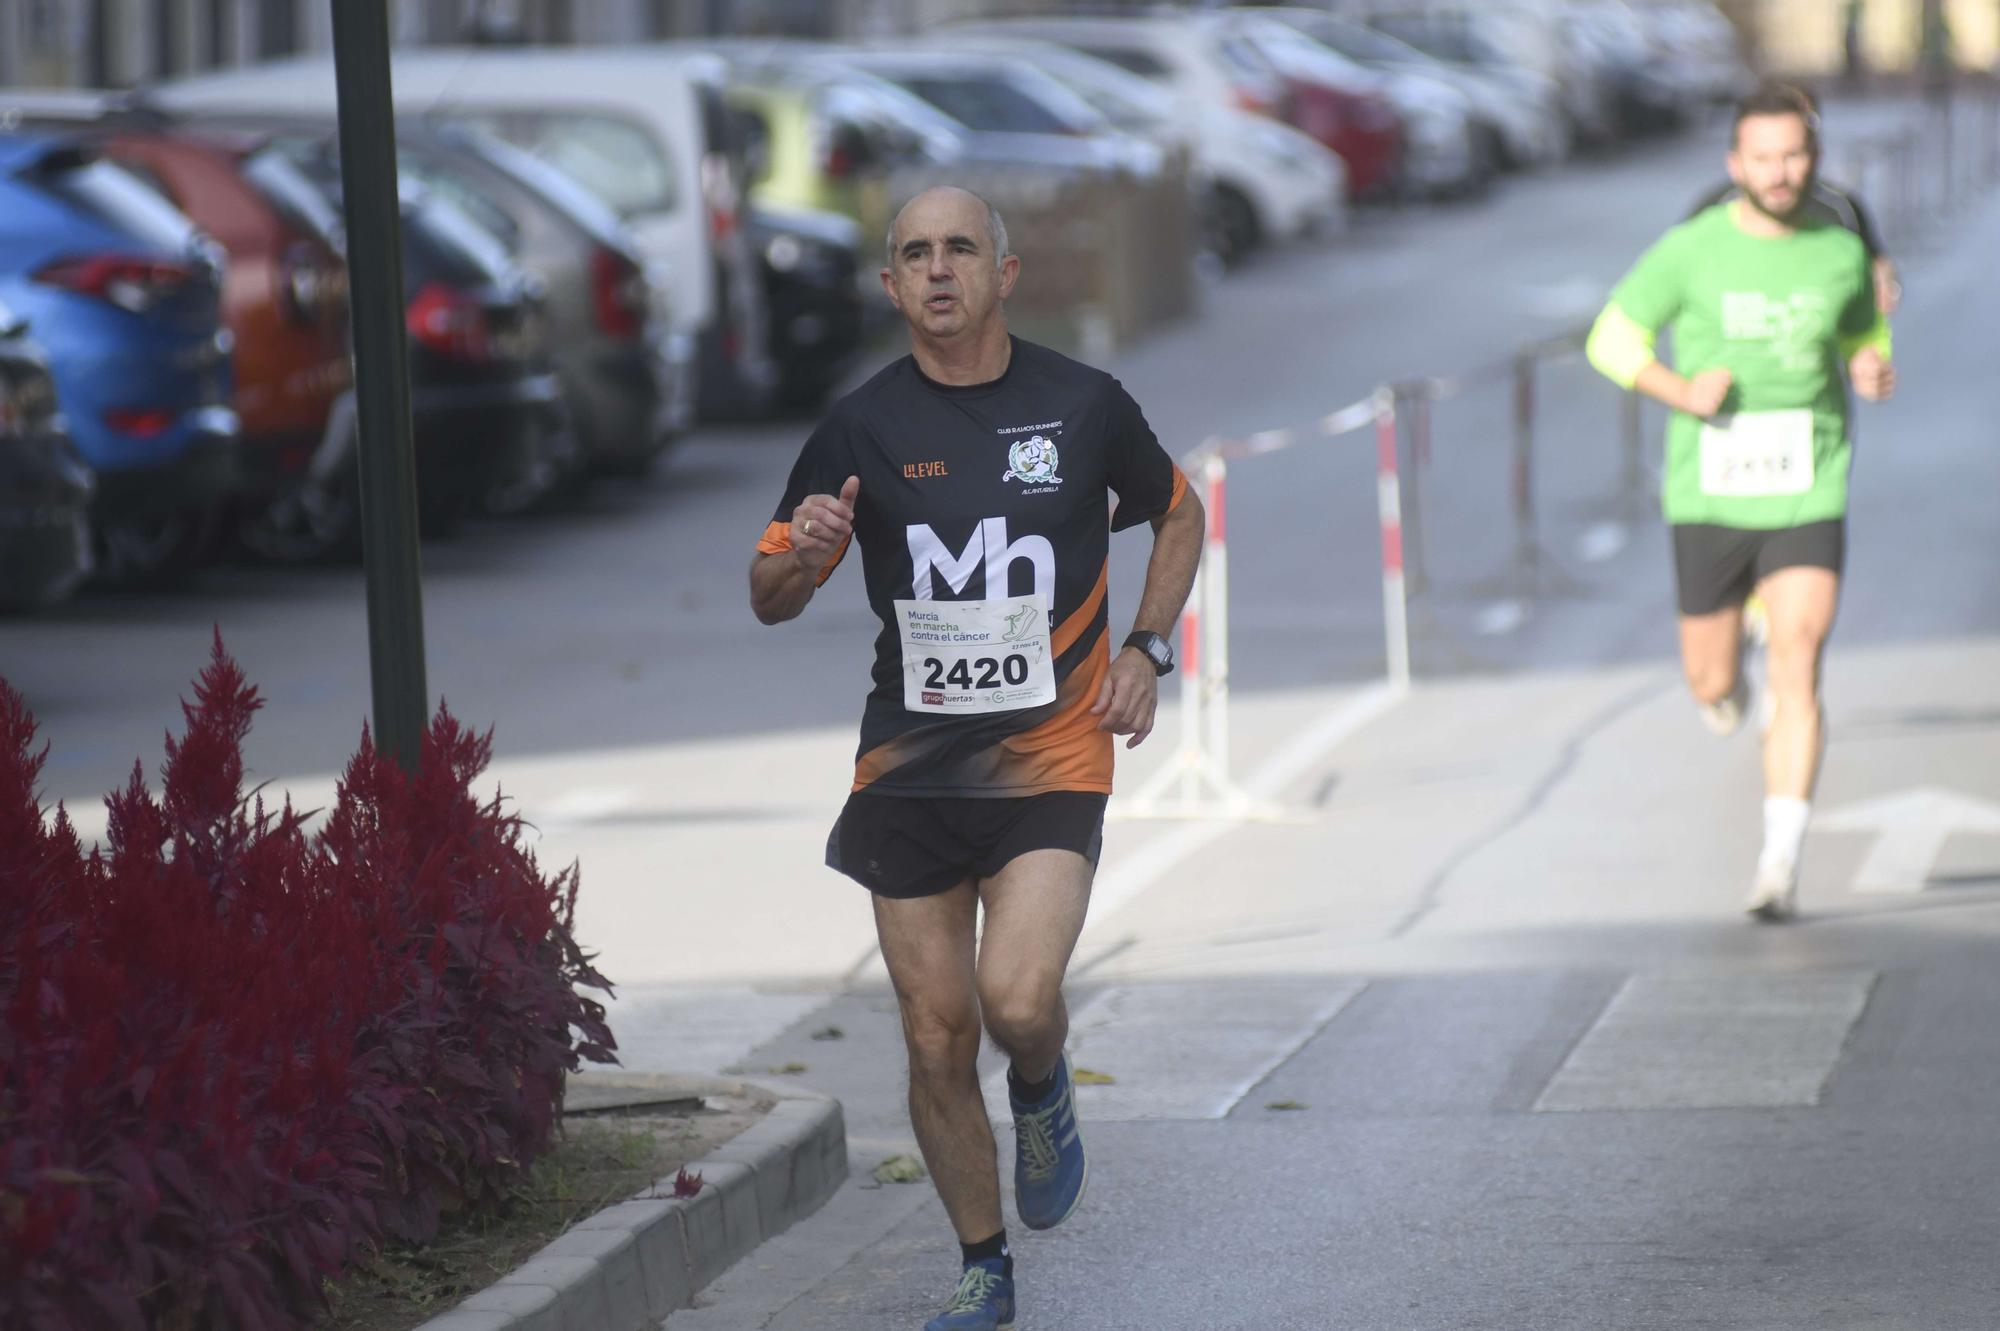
(1230, 226)
(157, 552)
(311, 524)
(557, 461)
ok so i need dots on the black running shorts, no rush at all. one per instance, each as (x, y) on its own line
(1718, 567)
(904, 846)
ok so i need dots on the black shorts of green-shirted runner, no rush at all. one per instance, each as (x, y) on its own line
(1718, 567)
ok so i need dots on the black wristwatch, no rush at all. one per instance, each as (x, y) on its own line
(1157, 649)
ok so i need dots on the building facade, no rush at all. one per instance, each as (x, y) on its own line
(126, 43)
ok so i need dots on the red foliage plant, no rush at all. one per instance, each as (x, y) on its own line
(236, 1054)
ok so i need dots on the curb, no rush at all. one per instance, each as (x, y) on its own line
(628, 1266)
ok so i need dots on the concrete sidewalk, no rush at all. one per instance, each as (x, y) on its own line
(1503, 975)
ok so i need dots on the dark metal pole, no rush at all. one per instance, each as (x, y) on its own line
(1527, 541)
(381, 373)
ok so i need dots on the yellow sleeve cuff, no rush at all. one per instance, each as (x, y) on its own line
(1878, 337)
(1620, 346)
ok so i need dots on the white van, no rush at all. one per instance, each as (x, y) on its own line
(646, 130)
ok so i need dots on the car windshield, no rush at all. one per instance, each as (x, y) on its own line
(613, 158)
(1134, 61)
(1298, 56)
(117, 196)
(278, 178)
(1357, 41)
(469, 254)
(569, 197)
(891, 115)
(438, 175)
(996, 103)
(1123, 98)
(1432, 39)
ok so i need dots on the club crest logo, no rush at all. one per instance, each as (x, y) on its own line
(1033, 460)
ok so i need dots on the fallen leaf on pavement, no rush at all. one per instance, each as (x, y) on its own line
(899, 1169)
(1085, 1077)
(686, 1184)
(1286, 1106)
(789, 1069)
(830, 1033)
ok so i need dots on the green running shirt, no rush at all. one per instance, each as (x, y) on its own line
(1781, 314)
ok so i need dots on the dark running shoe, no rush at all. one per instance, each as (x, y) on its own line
(1049, 1167)
(983, 1301)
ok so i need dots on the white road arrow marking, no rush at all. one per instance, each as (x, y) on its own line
(1911, 827)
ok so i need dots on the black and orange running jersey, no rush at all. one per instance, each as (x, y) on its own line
(978, 492)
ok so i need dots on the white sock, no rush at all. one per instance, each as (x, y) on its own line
(1784, 829)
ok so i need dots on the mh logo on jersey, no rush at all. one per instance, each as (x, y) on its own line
(1033, 460)
(989, 547)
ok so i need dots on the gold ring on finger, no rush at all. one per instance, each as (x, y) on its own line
(807, 528)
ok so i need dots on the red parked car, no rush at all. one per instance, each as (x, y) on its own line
(1358, 123)
(285, 301)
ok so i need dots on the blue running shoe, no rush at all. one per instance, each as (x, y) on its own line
(1049, 1168)
(983, 1301)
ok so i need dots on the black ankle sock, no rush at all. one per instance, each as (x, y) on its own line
(1030, 1092)
(987, 1249)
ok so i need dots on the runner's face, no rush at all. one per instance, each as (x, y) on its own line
(1773, 163)
(944, 279)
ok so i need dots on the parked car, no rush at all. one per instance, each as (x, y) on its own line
(643, 130)
(1269, 182)
(622, 398)
(1650, 87)
(826, 139)
(1522, 45)
(811, 262)
(1520, 120)
(45, 486)
(1703, 46)
(1425, 122)
(125, 296)
(284, 301)
(484, 401)
(1008, 101)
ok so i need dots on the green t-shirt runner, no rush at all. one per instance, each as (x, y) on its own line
(1783, 314)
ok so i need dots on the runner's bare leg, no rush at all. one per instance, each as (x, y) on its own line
(1802, 604)
(928, 946)
(1711, 653)
(1035, 909)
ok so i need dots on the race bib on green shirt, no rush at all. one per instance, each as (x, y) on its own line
(1755, 454)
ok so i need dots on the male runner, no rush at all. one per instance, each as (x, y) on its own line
(975, 475)
(1768, 302)
(1830, 203)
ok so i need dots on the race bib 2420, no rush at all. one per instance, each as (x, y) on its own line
(967, 657)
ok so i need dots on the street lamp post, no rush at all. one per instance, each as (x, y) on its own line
(381, 373)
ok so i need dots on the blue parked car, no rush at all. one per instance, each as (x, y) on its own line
(45, 490)
(124, 295)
